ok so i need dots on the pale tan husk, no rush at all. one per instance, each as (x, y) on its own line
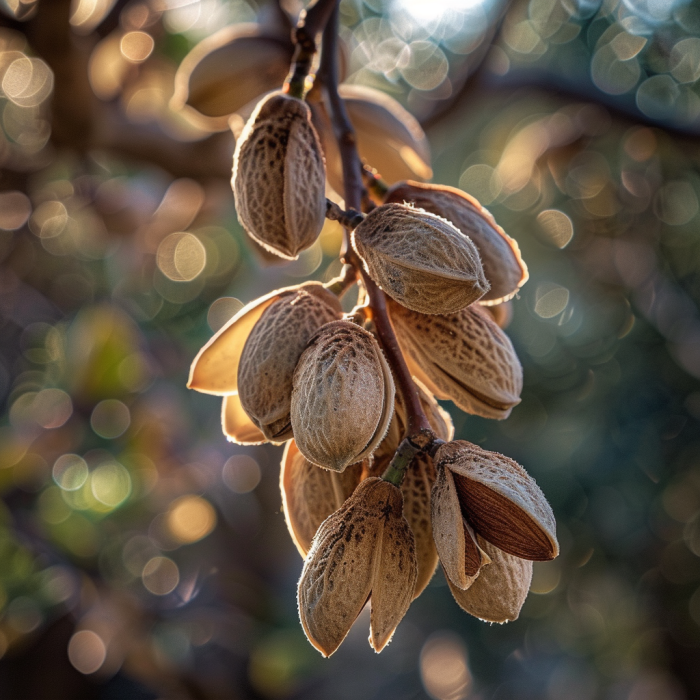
(461, 557)
(499, 592)
(420, 260)
(279, 176)
(416, 488)
(364, 550)
(271, 353)
(464, 357)
(228, 69)
(342, 397)
(215, 368)
(236, 424)
(500, 500)
(502, 263)
(310, 494)
(389, 138)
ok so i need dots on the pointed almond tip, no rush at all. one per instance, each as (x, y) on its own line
(378, 644)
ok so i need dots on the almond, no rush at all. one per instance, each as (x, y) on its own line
(420, 260)
(464, 357)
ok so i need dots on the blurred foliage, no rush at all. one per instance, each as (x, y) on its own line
(143, 556)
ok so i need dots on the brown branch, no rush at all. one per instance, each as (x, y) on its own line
(418, 424)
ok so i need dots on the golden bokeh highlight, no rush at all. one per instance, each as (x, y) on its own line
(443, 667)
(550, 299)
(546, 576)
(160, 576)
(86, 651)
(110, 484)
(190, 518)
(181, 257)
(557, 227)
(137, 46)
(27, 82)
(70, 472)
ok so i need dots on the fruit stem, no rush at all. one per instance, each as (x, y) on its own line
(354, 195)
(311, 22)
(350, 219)
(404, 455)
(374, 182)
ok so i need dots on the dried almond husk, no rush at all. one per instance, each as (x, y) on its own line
(342, 397)
(464, 357)
(499, 499)
(416, 487)
(310, 494)
(364, 551)
(498, 594)
(389, 138)
(420, 260)
(503, 265)
(215, 368)
(237, 425)
(279, 176)
(271, 353)
(228, 69)
(460, 555)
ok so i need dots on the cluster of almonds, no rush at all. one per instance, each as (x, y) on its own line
(293, 368)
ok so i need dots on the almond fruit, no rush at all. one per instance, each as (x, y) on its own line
(464, 357)
(364, 551)
(342, 397)
(499, 500)
(503, 265)
(420, 260)
(271, 352)
(279, 177)
(310, 494)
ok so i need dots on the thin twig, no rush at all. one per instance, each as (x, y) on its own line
(418, 425)
(311, 22)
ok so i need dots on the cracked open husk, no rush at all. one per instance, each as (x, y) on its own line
(310, 494)
(503, 265)
(499, 500)
(364, 551)
(464, 357)
(271, 352)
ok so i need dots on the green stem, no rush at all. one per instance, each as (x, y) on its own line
(408, 449)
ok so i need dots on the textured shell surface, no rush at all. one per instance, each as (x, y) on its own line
(419, 259)
(501, 501)
(363, 549)
(499, 592)
(310, 494)
(461, 557)
(279, 179)
(464, 357)
(416, 488)
(215, 368)
(503, 265)
(342, 396)
(271, 353)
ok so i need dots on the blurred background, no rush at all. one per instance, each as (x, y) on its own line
(143, 556)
